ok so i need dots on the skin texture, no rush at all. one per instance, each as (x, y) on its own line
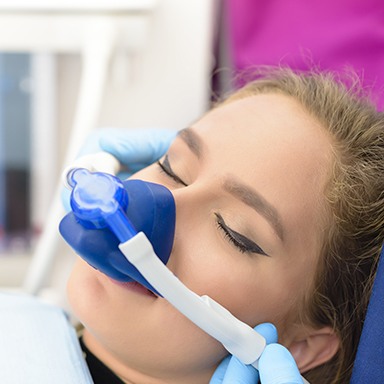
(270, 144)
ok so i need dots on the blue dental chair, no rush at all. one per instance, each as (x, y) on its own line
(369, 362)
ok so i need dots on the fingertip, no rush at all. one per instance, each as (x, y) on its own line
(268, 331)
(110, 144)
(238, 372)
(276, 362)
(279, 351)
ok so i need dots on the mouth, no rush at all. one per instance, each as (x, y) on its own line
(136, 287)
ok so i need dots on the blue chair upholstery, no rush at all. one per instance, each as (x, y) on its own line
(369, 362)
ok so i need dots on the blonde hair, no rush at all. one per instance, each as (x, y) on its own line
(355, 204)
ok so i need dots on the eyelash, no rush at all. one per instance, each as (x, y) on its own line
(239, 241)
(168, 171)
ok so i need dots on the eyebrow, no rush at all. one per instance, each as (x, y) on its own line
(252, 198)
(192, 140)
(239, 190)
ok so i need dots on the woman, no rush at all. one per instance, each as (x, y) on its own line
(280, 218)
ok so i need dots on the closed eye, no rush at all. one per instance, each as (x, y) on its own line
(242, 243)
(165, 166)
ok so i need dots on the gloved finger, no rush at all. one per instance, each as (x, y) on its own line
(268, 331)
(219, 374)
(239, 373)
(91, 143)
(137, 146)
(233, 371)
(277, 366)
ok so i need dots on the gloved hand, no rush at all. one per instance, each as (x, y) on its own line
(137, 148)
(276, 365)
(134, 148)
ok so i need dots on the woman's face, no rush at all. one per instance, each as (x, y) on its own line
(248, 181)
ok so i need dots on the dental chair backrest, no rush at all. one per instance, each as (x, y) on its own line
(369, 362)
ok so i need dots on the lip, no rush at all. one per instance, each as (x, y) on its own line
(134, 286)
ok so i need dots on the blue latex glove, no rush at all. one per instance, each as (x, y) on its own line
(134, 148)
(276, 365)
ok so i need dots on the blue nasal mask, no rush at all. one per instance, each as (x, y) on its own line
(125, 230)
(100, 200)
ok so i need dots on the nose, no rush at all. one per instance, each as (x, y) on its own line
(194, 205)
(194, 201)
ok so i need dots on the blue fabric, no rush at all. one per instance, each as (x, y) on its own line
(37, 344)
(369, 362)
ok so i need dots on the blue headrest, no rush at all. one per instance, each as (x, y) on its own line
(369, 362)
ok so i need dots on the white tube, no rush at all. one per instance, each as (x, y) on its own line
(237, 337)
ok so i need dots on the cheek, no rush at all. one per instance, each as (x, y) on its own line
(87, 297)
(82, 290)
(249, 287)
(258, 295)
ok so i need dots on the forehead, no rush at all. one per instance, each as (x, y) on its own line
(270, 126)
(270, 142)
